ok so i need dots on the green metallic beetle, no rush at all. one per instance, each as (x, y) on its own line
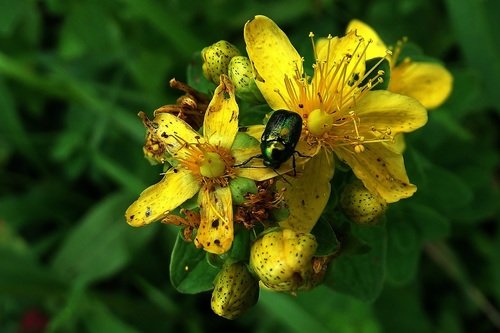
(280, 137)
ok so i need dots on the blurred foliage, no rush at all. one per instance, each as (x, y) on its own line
(74, 74)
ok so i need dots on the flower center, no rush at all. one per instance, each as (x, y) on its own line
(327, 100)
(319, 122)
(212, 165)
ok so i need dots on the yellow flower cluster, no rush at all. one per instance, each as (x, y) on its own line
(349, 113)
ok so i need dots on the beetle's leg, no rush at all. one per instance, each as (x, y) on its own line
(282, 177)
(301, 155)
(248, 160)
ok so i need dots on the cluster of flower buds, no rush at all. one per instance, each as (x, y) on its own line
(224, 58)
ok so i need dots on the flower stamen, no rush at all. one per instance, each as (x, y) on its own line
(397, 50)
(335, 87)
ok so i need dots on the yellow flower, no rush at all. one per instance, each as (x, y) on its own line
(429, 83)
(341, 113)
(204, 165)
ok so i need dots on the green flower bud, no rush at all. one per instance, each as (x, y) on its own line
(282, 259)
(241, 74)
(360, 205)
(235, 291)
(216, 58)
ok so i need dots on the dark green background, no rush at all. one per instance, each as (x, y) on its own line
(73, 76)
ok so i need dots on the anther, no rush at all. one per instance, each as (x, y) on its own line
(359, 148)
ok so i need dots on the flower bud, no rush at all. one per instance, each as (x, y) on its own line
(216, 58)
(360, 205)
(235, 291)
(282, 259)
(241, 74)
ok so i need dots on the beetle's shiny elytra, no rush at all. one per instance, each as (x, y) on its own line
(281, 135)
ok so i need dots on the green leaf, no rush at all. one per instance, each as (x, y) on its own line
(466, 94)
(429, 224)
(190, 272)
(215, 260)
(101, 243)
(326, 238)
(240, 187)
(361, 275)
(350, 244)
(253, 114)
(280, 214)
(403, 250)
(486, 196)
(243, 140)
(445, 191)
(240, 250)
(449, 126)
(409, 225)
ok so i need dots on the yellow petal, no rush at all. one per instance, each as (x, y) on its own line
(388, 112)
(273, 58)
(307, 194)
(255, 131)
(215, 233)
(338, 49)
(253, 169)
(344, 62)
(158, 200)
(430, 83)
(398, 145)
(221, 120)
(175, 133)
(381, 170)
(377, 48)
(307, 149)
